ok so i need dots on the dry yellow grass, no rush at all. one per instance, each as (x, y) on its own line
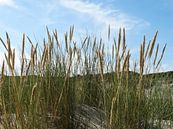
(49, 87)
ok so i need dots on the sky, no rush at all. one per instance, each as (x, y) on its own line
(90, 16)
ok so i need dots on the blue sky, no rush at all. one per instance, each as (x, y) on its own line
(92, 16)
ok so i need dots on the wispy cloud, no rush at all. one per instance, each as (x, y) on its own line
(104, 16)
(10, 3)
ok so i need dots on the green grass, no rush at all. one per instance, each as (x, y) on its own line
(49, 89)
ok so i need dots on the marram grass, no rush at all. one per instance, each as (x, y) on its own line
(64, 76)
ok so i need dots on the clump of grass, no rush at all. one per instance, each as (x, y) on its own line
(48, 88)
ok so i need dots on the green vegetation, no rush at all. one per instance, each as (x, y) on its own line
(63, 75)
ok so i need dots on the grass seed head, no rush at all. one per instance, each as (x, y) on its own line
(152, 45)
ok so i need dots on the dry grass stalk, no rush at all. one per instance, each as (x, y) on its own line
(7, 60)
(100, 55)
(124, 46)
(115, 44)
(33, 92)
(23, 51)
(141, 60)
(74, 48)
(66, 41)
(143, 44)
(83, 43)
(128, 62)
(71, 33)
(113, 51)
(43, 54)
(32, 57)
(156, 53)
(109, 32)
(8, 63)
(56, 38)
(153, 44)
(127, 85)
(142, 56)
(78, 55)
(23, 45)
(8, 42)
(163, 51)
(13, 59)
(71, 53)
(45, 57)
(111, 112)
(3, 43)
(119, 40)
(125, 65)
(22, 67)
(118, 66)
(148, 46)
(9, 49)
(118, 58)
(48, 34)
(2, 72)
(94, 44)
(30, 41)
(35, 52)
(123, 53)
(88, 43)
(103, 53)
(50, 50)
(50, 44)
(124, 39)
(27, 70)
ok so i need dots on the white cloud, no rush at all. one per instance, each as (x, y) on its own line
(165, 67)
(103, 16)
(10, 3)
